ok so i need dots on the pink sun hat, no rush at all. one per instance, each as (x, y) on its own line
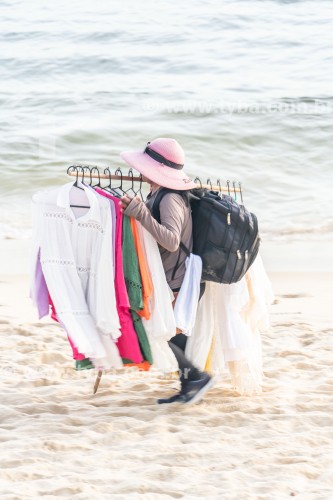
(161, 162)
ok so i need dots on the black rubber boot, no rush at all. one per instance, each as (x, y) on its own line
(194, 390)
(176, 398)
(191, 392)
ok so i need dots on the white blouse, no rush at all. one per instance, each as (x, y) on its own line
(77, 260)
(186, 305)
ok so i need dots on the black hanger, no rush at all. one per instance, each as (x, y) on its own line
(199, 180)
(241, 192)
(119, 173)
(131, 188)
(79, 187)
(75, 168)
(109, 188)
(139, 191)
(91, 178)
(84, 168)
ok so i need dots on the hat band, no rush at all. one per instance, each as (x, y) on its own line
(161, 159)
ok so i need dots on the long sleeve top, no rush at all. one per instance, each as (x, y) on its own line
(128, 344)
(77, 263)
(175, 226)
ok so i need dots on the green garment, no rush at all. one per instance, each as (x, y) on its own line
(142, 336)
(131, 268)
(134, 287)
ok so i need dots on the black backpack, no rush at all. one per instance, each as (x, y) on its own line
(225, 234)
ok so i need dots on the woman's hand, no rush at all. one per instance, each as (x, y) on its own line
(124, 202)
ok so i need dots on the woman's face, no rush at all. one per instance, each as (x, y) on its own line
(153, 185)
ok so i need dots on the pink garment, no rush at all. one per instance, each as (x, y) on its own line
(127, 343)
(76, 354)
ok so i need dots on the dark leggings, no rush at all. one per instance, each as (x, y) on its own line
(177, 344)
(187, 371)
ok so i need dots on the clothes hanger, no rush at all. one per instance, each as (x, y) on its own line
(131, 188)
(74, 168)
(137, 191)
(140, 188)
(84, 168)
(109, 187)
(91, 177)
(241, 192)
(119, 172)
(79, 187)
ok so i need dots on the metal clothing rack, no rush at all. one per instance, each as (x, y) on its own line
(86, 173)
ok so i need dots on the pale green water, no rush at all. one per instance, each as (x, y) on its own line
(245, 86)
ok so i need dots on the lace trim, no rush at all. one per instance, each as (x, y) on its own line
(58, 215)
(80, 269)
(133, 284)
(91, 225)
(58, 261)
(63, 215)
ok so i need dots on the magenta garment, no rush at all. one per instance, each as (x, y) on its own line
(76, 354)
(127, 343)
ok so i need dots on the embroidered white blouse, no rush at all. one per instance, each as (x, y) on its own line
(77, 260)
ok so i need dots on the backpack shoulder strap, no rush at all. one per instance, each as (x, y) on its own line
(185, 249)
(155, 212)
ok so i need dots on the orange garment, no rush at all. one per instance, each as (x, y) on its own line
(147, 285)
(142, 367)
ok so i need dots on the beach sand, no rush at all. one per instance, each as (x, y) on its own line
(60, 440)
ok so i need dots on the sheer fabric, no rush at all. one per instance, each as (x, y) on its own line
(76, 259)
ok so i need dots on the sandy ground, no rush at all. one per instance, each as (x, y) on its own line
(58, 440)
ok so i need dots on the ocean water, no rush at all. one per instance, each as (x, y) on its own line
(244, 86)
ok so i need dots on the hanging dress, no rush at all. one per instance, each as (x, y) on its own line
(134, 287)
(227, 329)
(161, 325)
(147, 286)
(75, 258)
(127, 343)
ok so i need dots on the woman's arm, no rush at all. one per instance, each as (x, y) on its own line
(167, 234)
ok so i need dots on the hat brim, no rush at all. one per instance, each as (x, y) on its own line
(157, 172)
